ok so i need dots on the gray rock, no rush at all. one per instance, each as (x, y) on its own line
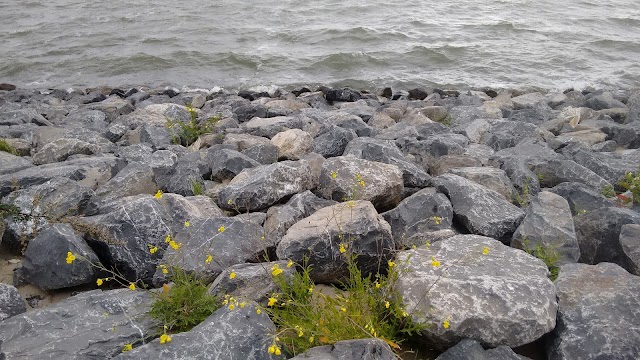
(630, 241)
(96, 324)
(48, 134)
(387, 152)
(281, 217)
(553, 172)
(11, 302)
(45, 266)
(465, 114)
(158, 137)
(350, 122)
(468, 349)
(226, 334)
(89, 119)
(446, 163)
(537, 115)
(361, 179)
(332, 140)
(140, 153)
(134, 179)
(355, 224)
(605, 100)
(293, 144)
(188, 169)
(250, 281)
(529, 100)
(362, 349)
(582, 199)
(598, 234)
(264, 154)
(269, 127)
(245, 141)
(61, 149)
(588, 137)
(262, 186)
(22, 116)
(633, 103)
(226, 164)
(241, 241)
(489, 177)
(523, 179)
(10, 163)
(611, 166)
(155, 115)
(418, 214)
(597, 307)
(549, 224)
(249, 111)
(508, 134)
(482, 211)
(501, 298)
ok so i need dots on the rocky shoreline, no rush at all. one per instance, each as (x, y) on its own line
(414, 175)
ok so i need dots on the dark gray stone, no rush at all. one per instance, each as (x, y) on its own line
(604, 100)
(61, 149)
(610, 166)
(553, 172)
(264, 154)
(508, 134)
(240, 333)
(11, 302)
(134, 179)
(250, 281)
(332, 140)
(468, 349)
(361, 349)
(80, 327)
(262, 186)
(598, 305)
(630, 241)
(582, 199)
(482, 211)
(354, 224)
(249, 111)
(345, 94)
(90, 119)
(226, 164)
(501, 298)
(45, 266)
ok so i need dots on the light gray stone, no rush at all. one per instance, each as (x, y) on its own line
(362, 349)
(11, 302)
(292, 144)
(630, 241)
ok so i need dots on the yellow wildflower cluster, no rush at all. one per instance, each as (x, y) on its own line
(275, 350)
(290, 263)
(299, 330)
(343, 248)
(101, 281)
(485, 250)
(446, 323)
(163, 268)
(221, 229)
(152, 248)
(275, 270)
(158, 195)
(371, 330)
(132, 286)
(272, 301)
(174, 245)
(164, 338)
(391, 264)
(70, 257)
(435, 263)
(127, 347)
(232, 275)
(208, 260)
(437, 220)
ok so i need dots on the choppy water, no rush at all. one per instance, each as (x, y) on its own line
(365, 43)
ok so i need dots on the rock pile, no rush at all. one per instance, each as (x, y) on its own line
(450, 185)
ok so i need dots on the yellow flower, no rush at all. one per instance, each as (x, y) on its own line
(446, 324)
(232, 275)
(187, 224)
(278, 352)
(272, 301)
(311, 290)
(153, 249)
(70, 257)
(334, 174)
(165, 271)
(343, 309)
(158, 195)
(378, 285)
(343, 248)
(485, 250)
(391, 264)
(132, 286)
(273, 349)
(404, 313)
(221, 229)
(243, 304)
(168, 238)
(361, 183)
(127, 347)
(209, 259)
(275, 270)
(258, 311)
(290, 264)
(437, 220)
(435, 263)
(231, 306)
(386, 304)
(174, 245)
(164, 338)
(99, 282)
(311, 339)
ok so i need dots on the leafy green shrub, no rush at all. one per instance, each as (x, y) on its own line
(4, 146)
(631, 182)
(549, 256)
(608, 191)
(186, 133)
(522, 199)
(184, 304)
(197, 187)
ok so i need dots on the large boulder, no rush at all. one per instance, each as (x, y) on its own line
(332, 140)
(471, 286)
(480, 210)
(597, 307)
(226, 163)
(240, 333)
(94, 324)
(489, 177)
(354, 226)
(134, 179)
(581, 198)
(548, 224)
(348, 178)
(611, 166)
(554, 172)
(293, 144)
(262, 186)
(361, 349)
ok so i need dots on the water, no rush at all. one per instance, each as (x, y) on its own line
(364, 44)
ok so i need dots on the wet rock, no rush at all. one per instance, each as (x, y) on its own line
(501, 298)
(468, 349)
(549, 224)
(347, 177)
(262, 186)
(11, 302)
(355, 224)
(369, 349)
(45, 266)
(421, 213)
(480, 210)
(240, 333)
(88, 320)
(293, 144)
(597, 305)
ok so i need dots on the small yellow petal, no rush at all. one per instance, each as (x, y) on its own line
(127, 347)
(221, 229)
(232, 275)
(187, 224)
(158, 195)
(132, 286)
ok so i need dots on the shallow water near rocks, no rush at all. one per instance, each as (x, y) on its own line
(364, 44)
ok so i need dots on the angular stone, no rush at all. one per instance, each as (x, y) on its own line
(582, 199)
(264, 154)
(468, 349)
(45, 266)
(11, 302)
(90, 119)
(61, 149)
(598, 233)
(553, 172)
(361, 179)
(369, 349)
(480, 210)
(549, 224)
(598, 305)
(529, 100)
(318, 237)
(417, 215)
(134, 179)
(345, 94)
(269, 127)
(611, 166)
(262, 186)
(489, 177)
(48, 134)
(293, 144)
(605, 100)
(96, 324)
(501, 298)
(250, 281)
(630, 241)
(244, 141)
(10, 163)
(508, 134)
(226, 164)
(446, 163)
(588, 137)
(226, 334)
(332, 140)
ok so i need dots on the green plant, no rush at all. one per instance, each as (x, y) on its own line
(184, 304)
(608, 191)
(522, 198)
(6, 147)
(186, 133)
(197, 187)
(631, 182)
(447, 121)
(548, 255)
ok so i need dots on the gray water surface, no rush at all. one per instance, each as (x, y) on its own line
(365, 43)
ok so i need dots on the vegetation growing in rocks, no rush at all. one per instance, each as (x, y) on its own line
(523, 198)
(549, 255)
(6, 147)
(186, 133)
(631, 182)
(197, 187)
